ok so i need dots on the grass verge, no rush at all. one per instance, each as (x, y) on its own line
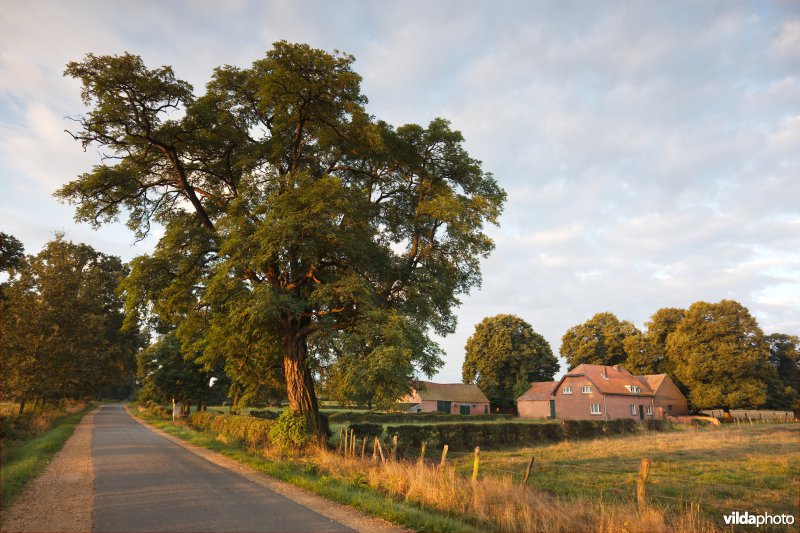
(308, 476)
(24, 460)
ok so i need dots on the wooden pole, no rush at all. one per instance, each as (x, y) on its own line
(341, 440)
(641, 490)
(748, 417)
(380, 451)
(353, 443)
(444, 455)
(346, 443)
(363, 446)
(394, 448)
(422, 453)
(476, 463)
(375, 450)
(528, 471)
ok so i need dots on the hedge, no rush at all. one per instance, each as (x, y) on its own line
(252, 431)
(460, 437)
(409, 418)
(366, 429)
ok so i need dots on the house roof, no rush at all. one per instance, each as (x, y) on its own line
(652, 381)
(540, 390)
(453, 392)
(611, 379)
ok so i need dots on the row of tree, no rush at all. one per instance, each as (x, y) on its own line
(715, 352)
(61, 324)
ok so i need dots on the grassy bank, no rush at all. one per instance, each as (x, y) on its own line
(350, 491)
(23, 460)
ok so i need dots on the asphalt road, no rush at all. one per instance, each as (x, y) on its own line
(143, 482)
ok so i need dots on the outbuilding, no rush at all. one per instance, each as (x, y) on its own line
(450, 398)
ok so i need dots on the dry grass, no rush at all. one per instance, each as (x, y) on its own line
(501, 505)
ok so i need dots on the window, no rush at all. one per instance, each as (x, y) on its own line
(633, 410)
(594, 408)
(566, 390)
(633, 388)
(586, 389)
(648, 409)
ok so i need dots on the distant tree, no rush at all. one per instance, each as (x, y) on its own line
(720, 355)
(784, 358)
(598, 341)
(64, 318)
(647, 352)
(11, 257)
(286, 206)
(503, 354)
(166, 374)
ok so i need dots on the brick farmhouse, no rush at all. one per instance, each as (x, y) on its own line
(451, 398)
(599, 392)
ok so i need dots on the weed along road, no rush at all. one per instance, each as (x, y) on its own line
(144, 482)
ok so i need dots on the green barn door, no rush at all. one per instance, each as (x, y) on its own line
(553, 409)
(464, 410)
(443, 407)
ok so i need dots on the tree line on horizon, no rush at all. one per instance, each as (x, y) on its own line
(714, 352)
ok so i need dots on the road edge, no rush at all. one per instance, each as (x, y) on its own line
(343, 514)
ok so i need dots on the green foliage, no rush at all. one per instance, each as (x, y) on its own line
(784, 358)
(313, 228)
(290, 431)
(465, 436)
(647, 352)
(11, 253)
(598, 341)
(719, 353)
(255, 433)
(63, 320)
(410, 418)
(656, 424)
(505, 355)
(366, 429)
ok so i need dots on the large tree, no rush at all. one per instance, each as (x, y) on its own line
(599, 341)
(720, 355)
(64, 319)
(11, 257)
(784, 358)
(647, 352)
(288, 209)
(504, 352)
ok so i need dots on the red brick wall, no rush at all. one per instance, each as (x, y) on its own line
(668, 394)
(534, 409)
(576, 406)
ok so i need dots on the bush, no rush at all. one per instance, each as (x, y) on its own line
(265, 415)
(290, 431)
(366, 429)
(16, 426)
(252, 431)
(653, 424)
(408, 418)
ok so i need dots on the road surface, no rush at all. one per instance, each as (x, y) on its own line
(143, 482)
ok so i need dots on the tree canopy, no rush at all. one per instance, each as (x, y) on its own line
(647, 352)
(293, 219)
(63, 337)
(599, 341)
(504, 355)
(784, 358)
(720, 355)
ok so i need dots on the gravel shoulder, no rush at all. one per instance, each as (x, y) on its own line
(62, 498)
(342, 514)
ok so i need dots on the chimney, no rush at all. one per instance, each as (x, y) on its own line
(605, 371)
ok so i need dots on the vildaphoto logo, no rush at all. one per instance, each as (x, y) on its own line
(746, 519)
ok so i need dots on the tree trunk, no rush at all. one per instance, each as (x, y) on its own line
(21, 405)
(300, 383)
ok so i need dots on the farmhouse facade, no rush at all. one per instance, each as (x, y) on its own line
(450, 398)
(599, 392)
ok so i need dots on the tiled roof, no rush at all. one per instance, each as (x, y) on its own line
(611, 379)
(652, 381)
(453, 392)
(540, 390)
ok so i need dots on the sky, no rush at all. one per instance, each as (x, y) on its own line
(650, 150)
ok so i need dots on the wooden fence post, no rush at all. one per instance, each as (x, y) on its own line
(748, 417)
(528, 471)
(476, 463)
(353, 440)
(341, 439)
(375, 450)
(346, 442)
(363, 446)
(444, 455)
(380, 451)
(641, 490)
(422, 453)
(394, 448)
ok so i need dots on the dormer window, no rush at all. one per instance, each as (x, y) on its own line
(633, 388)
(586, 389)
(566, 390)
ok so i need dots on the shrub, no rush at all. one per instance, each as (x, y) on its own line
(408, 418)
(265, 415)
(653, 424)
(366, 429)
(255, 433)
(290, 431)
